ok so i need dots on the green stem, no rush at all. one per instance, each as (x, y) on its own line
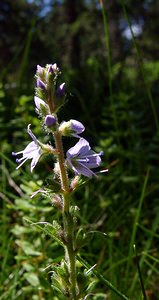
(67, 216)
(70, 253)
(61, 160)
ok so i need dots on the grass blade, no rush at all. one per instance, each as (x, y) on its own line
(140, 275)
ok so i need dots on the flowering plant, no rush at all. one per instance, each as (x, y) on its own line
(80, 159)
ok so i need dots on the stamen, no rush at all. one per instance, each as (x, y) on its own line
(101, 153)
(14, 153)
(21, 163)
(83, 160)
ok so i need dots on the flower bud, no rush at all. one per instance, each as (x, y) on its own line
(50, 120)
(41, 105)
(61, 90)
(71, 128)
(40, 84)
(39, 70)
(53, 68)
(75, 183)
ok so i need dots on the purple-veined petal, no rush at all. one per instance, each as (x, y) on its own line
(82, 159)
(81, 148)
(32, 151)
(28, 151)
(93, 159)
(35, 159)
(77, 127)
(31, 147)
(82, 169)
(72, 166)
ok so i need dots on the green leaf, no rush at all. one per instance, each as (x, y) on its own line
(32, 278)
(28, 248)
(24, 205)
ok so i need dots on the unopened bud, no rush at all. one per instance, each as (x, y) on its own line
(40, 84)
(61, 90)
(41, 105)
(75, 183)
(71, 128)
(53, 69)
(50, 120)
(39, 69)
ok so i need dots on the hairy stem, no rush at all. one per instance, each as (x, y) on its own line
(67, 217)
(61, 160)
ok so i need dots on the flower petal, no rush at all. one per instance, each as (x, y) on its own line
(82, 169)
(92, 160)
(30, 148)
(61, 90)
(35, 160)
(82, 159)
(32, 135)
(81, 148)
(77, 127)
(32, 151)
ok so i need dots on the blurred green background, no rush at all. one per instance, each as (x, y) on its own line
(109, 59)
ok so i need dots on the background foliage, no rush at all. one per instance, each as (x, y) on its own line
(110, 63)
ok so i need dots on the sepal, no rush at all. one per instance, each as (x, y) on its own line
(76, 182)
(60, 279)
(57, 202)
(85, 284)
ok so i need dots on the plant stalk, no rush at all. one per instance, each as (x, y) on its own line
(67, 217)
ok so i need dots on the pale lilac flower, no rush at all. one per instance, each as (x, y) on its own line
(32, 151)
(82, 159)
(50, 120)
(71, 128)
(40, 104)
(61, 90)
